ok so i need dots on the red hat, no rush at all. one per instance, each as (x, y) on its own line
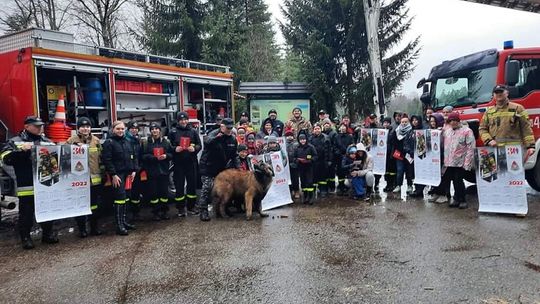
(453, 116)
(289, 132)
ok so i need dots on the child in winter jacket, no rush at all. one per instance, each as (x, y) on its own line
(304, 156)
(360, 167)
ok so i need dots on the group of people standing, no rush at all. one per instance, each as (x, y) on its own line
(325, 157)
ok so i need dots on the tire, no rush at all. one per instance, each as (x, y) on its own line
(533, 176)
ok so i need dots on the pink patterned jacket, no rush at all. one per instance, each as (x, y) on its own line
(459, 145)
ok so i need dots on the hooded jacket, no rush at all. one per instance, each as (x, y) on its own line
(305, 155)
(219, 152)
(361, 169)
(323, 147)
(277, 126)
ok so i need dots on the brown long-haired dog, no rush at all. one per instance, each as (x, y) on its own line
(249, 186)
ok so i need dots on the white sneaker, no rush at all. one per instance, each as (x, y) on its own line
(397, 189)
(433, 198)
(442, 199)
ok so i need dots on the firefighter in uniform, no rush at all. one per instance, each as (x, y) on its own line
(186, 144)
(120, 163)
(134, 196)
(324, 160)
(220, 150)
(17, 153)
(156, 155)
(85, 137)
(506, 123)
(305, 155)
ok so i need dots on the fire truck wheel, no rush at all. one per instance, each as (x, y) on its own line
(533, 176)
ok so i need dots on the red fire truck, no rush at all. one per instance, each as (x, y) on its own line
(466, 83)
(40, 66)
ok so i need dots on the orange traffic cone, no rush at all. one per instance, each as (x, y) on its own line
(60, 115)
(58, 131)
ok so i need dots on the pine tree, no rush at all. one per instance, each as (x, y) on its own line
(239, 34)
(172, 28)
(330, 36)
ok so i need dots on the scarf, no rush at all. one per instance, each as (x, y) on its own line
(402, 131)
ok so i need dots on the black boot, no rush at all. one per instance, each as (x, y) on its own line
(27, 243)
(94, 226)
(367, 196)
(305, 195)
(181, 206)
(331, 186)
(127, 225)
(81, 224)
(163, 211)
(324, 191)
(135, 211)
(463, 205)
(155, 211)
(341, 188)
(203, 215)
(453, 203)
(48, 236)
(311, 197)
(119, 210)
(191, 209)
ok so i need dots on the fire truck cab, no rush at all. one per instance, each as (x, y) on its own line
(466, 83)
(40, 67)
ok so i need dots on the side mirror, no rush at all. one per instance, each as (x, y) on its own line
(421, 83)
(511, 72)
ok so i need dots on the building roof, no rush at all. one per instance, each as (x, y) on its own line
(523, 5)
(263, 88)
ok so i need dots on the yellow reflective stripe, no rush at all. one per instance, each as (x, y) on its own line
(120, 202)
(179, 199)
(191, 196)
(322, 183)
(25, 193)
(96, 180)
(4, 154)
(331, 180)
(93, 207)
(529, 137)
(390, 173)
(341, 180)
(308, 189)
(503, 114)
(135, 201)
(93, 149)
(163, 200)
(154, 201)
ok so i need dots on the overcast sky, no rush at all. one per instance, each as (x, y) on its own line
(453, 28)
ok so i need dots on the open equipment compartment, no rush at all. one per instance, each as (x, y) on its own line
(206, 99)
(85, 90)
(146, 98)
